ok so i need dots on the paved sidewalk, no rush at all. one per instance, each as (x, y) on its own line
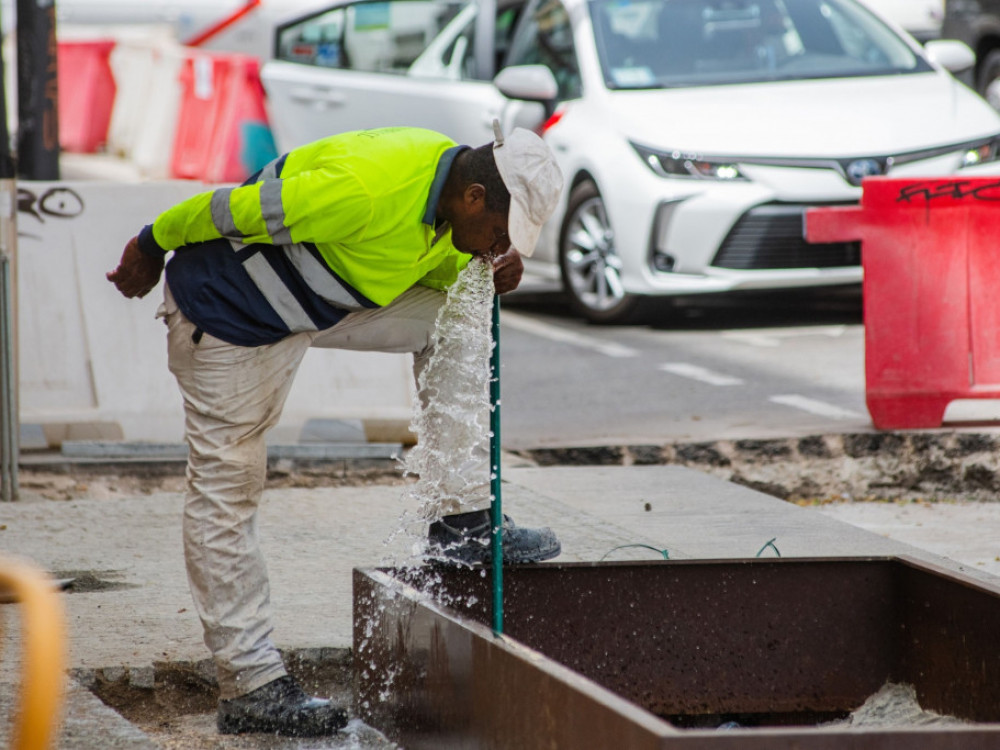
(965, 531)
(135, 610)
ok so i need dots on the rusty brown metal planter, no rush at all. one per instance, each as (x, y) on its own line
(626, 655)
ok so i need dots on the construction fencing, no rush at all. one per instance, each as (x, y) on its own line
(170, 110)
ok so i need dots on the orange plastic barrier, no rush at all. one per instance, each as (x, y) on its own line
(86, 94)
(931, 308)
(222, 128)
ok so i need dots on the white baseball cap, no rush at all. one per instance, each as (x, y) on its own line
(534, 181)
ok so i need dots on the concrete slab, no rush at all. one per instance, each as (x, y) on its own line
(963, 531)
(697, 516)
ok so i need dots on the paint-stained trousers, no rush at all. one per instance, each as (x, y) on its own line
(232, 396)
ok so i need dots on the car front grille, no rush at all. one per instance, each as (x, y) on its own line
(771, 237)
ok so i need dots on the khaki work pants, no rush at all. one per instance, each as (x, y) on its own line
(232, 396)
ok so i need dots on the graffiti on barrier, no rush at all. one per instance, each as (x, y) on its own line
(56, 202)
(956, 190)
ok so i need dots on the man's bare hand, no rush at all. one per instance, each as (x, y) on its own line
(137, 272)
(507, 270)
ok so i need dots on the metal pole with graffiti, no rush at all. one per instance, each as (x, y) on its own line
(37, 90)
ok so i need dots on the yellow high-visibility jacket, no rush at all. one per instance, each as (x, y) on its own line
(344, 223)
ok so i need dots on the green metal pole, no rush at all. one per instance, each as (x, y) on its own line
(496, 510)
(9, 417)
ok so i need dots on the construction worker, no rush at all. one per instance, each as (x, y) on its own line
(347, 242)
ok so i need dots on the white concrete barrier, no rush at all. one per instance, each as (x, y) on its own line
(90, 357)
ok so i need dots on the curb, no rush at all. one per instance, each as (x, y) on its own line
(341, 464)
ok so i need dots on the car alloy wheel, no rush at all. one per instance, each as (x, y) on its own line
(591, 267)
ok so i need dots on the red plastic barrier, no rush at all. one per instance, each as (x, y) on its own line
(86, 94)
(931, 308)
(222, 106)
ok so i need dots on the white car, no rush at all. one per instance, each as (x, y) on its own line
(693, 134)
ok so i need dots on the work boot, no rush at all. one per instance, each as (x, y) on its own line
(467, 538)
(280, 707)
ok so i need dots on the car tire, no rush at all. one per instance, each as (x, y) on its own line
(590, 266)
(988, 79)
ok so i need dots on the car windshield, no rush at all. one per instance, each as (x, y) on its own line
(672, 43)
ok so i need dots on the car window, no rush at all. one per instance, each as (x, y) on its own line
(545, 37)
(383, 37)
(314, 41)
(664, 43)
(452, 54)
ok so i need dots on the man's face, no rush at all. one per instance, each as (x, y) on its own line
(481, 234)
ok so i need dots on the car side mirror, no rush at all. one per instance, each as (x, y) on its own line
(532, 83)
(951, 54)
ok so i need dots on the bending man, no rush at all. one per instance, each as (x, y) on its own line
(348, 242)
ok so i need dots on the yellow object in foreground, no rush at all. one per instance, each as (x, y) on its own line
(43, 653)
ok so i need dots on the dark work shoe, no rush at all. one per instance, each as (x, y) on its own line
(467, 538)
(280, 707)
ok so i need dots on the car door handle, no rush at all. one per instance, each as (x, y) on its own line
(319, 96)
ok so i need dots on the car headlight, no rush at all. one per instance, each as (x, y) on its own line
(678, 164)
(982, 153)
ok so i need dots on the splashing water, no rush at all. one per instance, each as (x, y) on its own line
(451, 420)
(451, 458)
